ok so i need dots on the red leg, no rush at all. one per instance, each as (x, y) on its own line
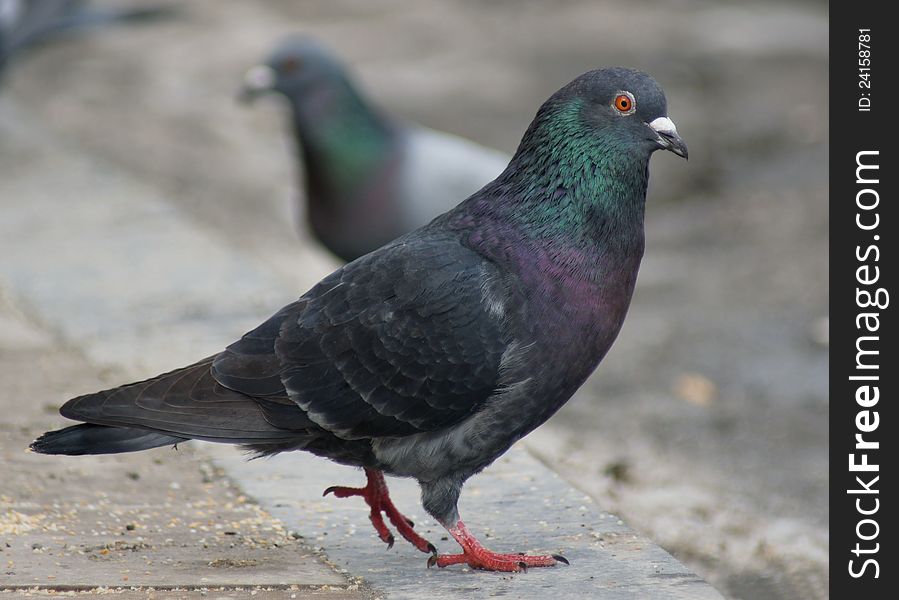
(377, 496)
(478, 557)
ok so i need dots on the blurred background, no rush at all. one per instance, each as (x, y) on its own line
(706, 425)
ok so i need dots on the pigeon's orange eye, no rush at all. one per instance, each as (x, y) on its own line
(624, 103)
(290, 65)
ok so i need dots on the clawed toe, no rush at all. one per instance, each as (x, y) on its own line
(477, 556)
(344, 492)
(491, 561)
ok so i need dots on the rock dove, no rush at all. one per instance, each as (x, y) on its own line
(369, 178)
(27, 23)
(429, 357)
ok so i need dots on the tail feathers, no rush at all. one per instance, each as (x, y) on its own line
(187, 403)
(100, 439)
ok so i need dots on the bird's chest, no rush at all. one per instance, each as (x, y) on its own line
(577, 308)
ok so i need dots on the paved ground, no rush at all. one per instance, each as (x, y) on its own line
(154, 520)
(706, 425)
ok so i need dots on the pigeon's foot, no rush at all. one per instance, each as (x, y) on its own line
(478, 557)
(377, 496)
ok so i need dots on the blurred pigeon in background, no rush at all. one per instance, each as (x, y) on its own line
(431, 356)
(369, 178)
(28, 23)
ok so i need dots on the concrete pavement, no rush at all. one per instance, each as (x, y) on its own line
(161, 519)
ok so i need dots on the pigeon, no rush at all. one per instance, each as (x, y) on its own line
(25, 24)
(429, 357)
(369, 178)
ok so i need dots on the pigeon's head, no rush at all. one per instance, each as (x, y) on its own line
(298, 67)
(615, 110)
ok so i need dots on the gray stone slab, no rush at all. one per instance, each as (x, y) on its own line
(517, 505)
(176, 561)
(203, 593)
(156, 519)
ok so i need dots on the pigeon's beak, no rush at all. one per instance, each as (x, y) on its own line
(258, 81)
(668, 137)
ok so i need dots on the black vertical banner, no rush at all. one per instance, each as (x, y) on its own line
(864, 370)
